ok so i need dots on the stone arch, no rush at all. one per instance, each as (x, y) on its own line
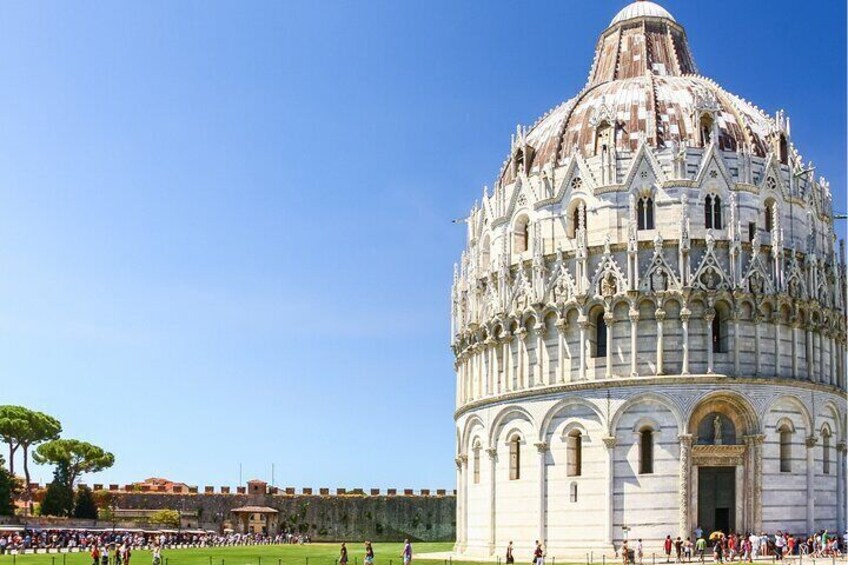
(666, 401)
(802, 408)
(471, 424)
(837, 430)
(554, 411)
(502, 417)
(734, 406)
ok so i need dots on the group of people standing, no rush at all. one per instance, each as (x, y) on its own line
(406, 554)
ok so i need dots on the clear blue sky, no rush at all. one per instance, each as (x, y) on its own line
(224, 226)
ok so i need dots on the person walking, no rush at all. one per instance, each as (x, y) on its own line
(510, 558)
(343, 554)
(667, 545)
(406, 555)
(701, 547)
(537, 554)
(157, 554)
(640, 551)
(369, 553)
(625, 554)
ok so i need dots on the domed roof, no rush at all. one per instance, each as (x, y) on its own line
(644, 84)
(641, 9)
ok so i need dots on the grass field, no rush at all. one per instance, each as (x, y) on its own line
(310, 554)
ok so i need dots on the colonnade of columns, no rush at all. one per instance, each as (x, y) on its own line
(498, 365)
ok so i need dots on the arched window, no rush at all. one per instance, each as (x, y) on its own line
(645, 213)
(519, 160)
(476, 462)
(515, 458)
(603, 138)
(783, 150)
(575, 219)
(785, 433)
(646, 451)
(712, 212)
(826, 451)
(769, 211)
(600, 335)
(706, 127)
(484, 254)
(521, 234)
(718, 334)
(574, 453)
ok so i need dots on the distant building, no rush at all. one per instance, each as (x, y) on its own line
(649, 317)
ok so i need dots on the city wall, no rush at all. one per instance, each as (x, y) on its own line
(322, 514)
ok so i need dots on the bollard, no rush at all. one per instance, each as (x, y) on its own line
(604, 559)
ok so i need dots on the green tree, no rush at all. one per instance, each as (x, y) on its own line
(8, 489)
(59, 498)
(84, 506)
(79, 456)
(40, 428)
(169, 518)
(13, 425)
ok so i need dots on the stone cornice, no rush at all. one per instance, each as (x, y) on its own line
(542, 392)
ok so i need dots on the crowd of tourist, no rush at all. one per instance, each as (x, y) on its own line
(86, 540)
(721, 548)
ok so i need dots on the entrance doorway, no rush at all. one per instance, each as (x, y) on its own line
(717, 498)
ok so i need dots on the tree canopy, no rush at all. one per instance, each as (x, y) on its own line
(14, 422)
(80, 457)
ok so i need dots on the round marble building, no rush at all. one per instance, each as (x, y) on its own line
(649, 318)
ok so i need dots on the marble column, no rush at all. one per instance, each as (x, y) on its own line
(793, 332)
(840, 486)
(685, 313)
(609, 443)
(758, 367)
(809, 353)
(541, 369)
(753, 484)
(461, 468)
(562, 326)
(542, 448)
(822, 378)
(521, 376)
(634, 326)
(685, 470)
(493, 469)
(709, 316)
(736, 341)
(777, 346)
(811, 482)
(608, 320)
(507, 361)
(660, 315)
(584, 325)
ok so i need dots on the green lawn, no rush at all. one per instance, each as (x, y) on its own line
(310, 554)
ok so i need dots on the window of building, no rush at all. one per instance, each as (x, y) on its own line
(600, 335)
(476, 463)
(519, 160)
(575, 219)
(783, 150)
(515, 458)
(646, 451)
(785, 433)
(484, 253)
(718, 334)
(706, 127)
(712, 212)
(521, 234)
(573, 492)
(645, 213)
(752, 230)
(574, 453)
(769, 211)
(603, 138)
(826, 451)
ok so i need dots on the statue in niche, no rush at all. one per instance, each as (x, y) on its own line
(560, 290)
(710, 279)
(756, 284)
(658, 280)
(717, 430)
(608, 287)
